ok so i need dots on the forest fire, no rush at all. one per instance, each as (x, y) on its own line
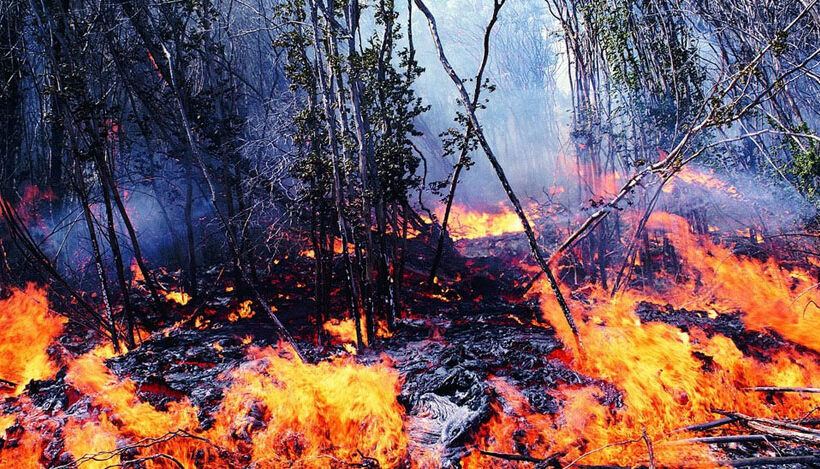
(291, 234)
(651, 378)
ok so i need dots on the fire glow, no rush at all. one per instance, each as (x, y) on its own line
(466, 223)
(310, 415)
(278, 411)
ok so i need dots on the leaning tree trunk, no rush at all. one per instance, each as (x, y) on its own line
(105, 290)
(536, 250)
(114, 242)
(468, 132)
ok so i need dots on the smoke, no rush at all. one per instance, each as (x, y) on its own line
(527, 123)
(525, 120)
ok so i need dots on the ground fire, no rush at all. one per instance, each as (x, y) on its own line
(706, 357)
(455, 234)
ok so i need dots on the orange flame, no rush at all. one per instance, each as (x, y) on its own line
(337, 249)
(26, 331)
(664, 384)
(136, 273)
(317, 415)
(467, 223)
(180, 298)
(704, 179)
(344, 331)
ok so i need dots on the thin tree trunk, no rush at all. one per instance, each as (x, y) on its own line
(190, 235)
(145, 29)
(113, 241)
(468, 132)
(361, 128)
(105, 291)
(107, 180)
(338, 198)
(536, 250)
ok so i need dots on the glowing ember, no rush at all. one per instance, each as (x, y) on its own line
(337, 249)
(181, 298)
(244, 311)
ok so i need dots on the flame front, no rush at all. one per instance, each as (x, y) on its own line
(667, 378)
(276, 410)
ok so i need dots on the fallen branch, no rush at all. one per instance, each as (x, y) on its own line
(515, 457)
(699, 427)
(139, 461)
(710, 440)
(597, 450)
(772, 461)
(778, 428)
(782, 389)
(4, 383)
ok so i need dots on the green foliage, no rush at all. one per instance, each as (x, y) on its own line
(388, 104)
(804, 167)
(391, 105)
(453, 141)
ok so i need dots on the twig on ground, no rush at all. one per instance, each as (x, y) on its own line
(649, 448)
(782, 389)
(141, 444)
(598, 450)
(698, 427)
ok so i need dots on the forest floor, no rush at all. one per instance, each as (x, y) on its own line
(472, 351)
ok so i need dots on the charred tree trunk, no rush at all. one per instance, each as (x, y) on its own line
(536, 250)
(190, 236)
(105, 290)
(113, 241)
(108, 182)
(468, 135)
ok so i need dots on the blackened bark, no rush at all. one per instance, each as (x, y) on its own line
(468, 133)
(536, 250)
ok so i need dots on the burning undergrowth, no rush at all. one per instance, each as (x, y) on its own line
(707, 356)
